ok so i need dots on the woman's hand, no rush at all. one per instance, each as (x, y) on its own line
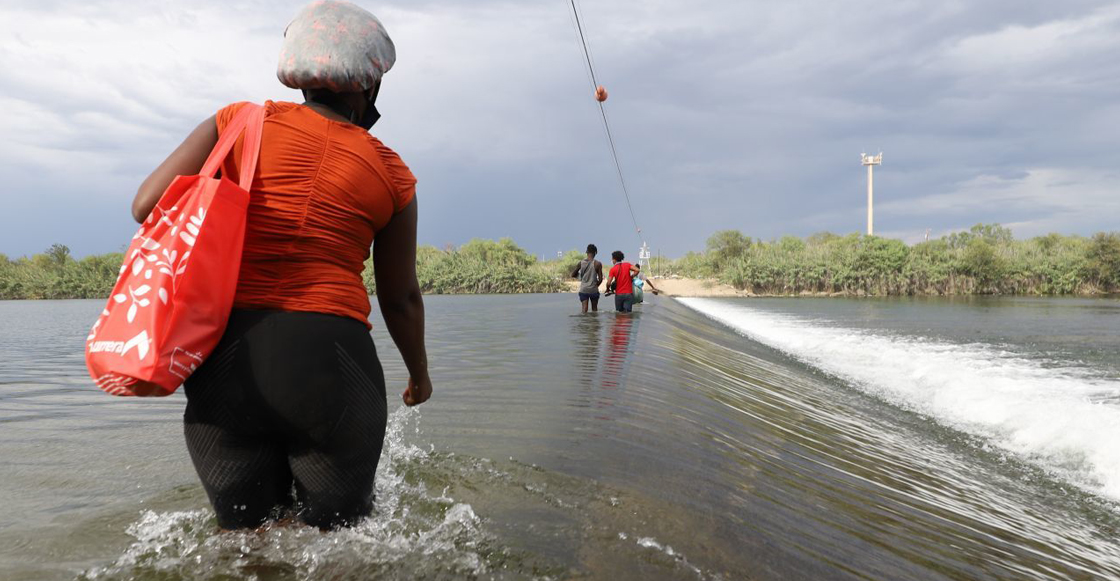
(402, 305)
(417, 392)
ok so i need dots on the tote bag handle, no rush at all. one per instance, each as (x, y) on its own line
(249, 119)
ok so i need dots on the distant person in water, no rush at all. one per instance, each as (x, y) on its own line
(640, 282)
(621, 280)
(590, 275)
(290, 409)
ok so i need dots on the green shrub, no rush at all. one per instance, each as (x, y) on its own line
(1103, 259)
(726, 246)
(563, 266)
(694, 265)
(479, 267)
(985, 259)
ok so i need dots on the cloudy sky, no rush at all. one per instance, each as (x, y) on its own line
(727, 114)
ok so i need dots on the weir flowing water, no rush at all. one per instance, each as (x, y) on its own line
(657, 446)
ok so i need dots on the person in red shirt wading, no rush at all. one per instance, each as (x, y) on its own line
(621, 277)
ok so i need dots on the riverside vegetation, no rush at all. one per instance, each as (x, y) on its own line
(985, 260)
(477, 267)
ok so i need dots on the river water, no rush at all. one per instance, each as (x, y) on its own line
(695, 439)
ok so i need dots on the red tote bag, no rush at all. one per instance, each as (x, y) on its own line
(172, 301)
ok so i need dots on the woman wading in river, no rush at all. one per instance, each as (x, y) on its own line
(290, 409)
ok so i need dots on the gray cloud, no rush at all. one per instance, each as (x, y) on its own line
(727, 114)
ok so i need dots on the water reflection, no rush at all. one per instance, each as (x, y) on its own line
(602, 352)
(586, 331)
(622, 328)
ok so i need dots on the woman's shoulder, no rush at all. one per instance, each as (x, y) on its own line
(382, 151)
(227, 113)
(402, 178)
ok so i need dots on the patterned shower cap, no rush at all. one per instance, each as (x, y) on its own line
(335, 45)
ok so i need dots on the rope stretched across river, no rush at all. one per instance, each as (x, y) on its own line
(606, 123)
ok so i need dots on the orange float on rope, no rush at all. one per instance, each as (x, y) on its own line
(600, 94)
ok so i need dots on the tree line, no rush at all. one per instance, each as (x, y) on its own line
(479, 266)
(987, 259)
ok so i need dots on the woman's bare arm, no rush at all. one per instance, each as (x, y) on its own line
(398, 295)
(187, 159)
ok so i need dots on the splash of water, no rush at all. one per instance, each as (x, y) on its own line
(1058, 418)
(413, 532)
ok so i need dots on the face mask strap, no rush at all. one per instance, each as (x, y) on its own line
(339, 105)
(370, 117)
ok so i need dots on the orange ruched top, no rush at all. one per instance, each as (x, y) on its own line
(322, 190)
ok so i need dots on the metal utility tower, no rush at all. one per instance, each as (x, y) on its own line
(643, 258)
(870, 161)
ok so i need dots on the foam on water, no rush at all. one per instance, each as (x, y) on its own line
(667, 551)
(1059, 418)
(417, 530)
(413, 530)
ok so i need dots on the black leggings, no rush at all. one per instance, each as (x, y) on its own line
(288, 403)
